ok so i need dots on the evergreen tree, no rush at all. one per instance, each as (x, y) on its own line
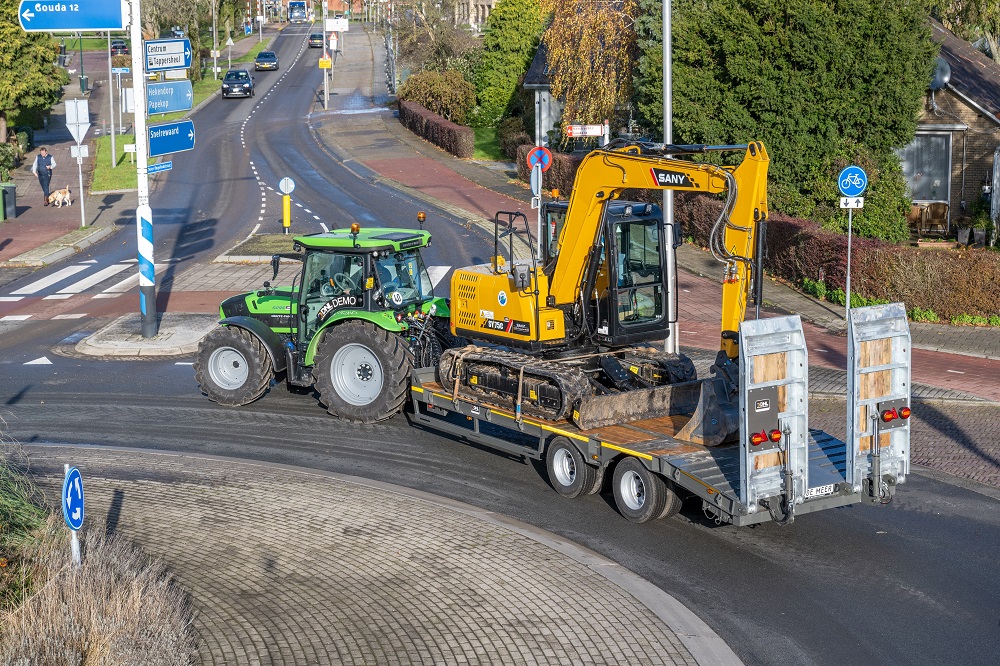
(512, 32)
(807, 77)
(29, 77)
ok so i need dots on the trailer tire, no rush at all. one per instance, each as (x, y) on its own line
(362, 371)
(569, 473)
(672, 505)
(233, 367)
(640, 494)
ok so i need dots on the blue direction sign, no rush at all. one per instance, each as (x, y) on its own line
(54, 16)
(852, 181)
(171, 138)
(168, 97)
(72, 499)
(160, 166)
(163, 54)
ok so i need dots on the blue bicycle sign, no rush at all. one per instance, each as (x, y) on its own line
(852, 181)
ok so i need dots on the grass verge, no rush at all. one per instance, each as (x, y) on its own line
(263, 245)
(254, 50)
(486, 147)
(123, 175)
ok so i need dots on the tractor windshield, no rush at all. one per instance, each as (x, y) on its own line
(403, 278)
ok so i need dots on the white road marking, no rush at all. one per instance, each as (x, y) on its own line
(956, 372)
(132, 281)
(75, 315)
(40, 361)
(58, 276)
(97, 278)
(57, 297)
(15, 317)
(10, 299)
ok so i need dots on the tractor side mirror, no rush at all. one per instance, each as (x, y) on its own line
(275, 262)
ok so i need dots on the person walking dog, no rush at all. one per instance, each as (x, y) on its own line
(42, 167)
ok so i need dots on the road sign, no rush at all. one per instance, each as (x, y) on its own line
(852, 181)
(286, 185)
(852, 202)
(336, 25)
(79, 151)
(120, 70)
(72, 499)
(324, 63)
(536, 179)
(161, 166)
(163, 54)
(577, 131)
(168, 97)
(170, 138)
(77, 118)
(229, 42)
(541, 156)
(59, 17)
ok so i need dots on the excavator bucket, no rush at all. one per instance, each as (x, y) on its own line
(714, 418)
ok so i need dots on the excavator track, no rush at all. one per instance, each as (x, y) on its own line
(548, 389)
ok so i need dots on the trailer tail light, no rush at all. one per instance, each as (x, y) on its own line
(889, 414)
(775, 435)
(904, 412)
(758, 438)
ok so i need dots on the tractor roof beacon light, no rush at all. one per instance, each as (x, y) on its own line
(421, 218)
(355, 230)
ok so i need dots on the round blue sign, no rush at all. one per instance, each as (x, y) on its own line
(72, 499)
(852, 181)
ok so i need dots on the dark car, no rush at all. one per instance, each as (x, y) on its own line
(265, 60)
(119, 47)
(316, 40)
(237, 83)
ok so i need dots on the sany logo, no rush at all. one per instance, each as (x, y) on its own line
(664, 177)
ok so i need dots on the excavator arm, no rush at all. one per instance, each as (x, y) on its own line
(604, 174)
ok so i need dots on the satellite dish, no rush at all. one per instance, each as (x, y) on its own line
(942, 74)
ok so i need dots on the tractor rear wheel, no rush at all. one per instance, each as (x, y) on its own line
(232, 368)
(362, 371)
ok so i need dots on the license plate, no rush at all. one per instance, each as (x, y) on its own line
(819, 491)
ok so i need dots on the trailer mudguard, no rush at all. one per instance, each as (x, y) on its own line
(270, 339)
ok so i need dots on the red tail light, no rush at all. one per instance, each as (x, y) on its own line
(775, 435)
(889, 414)
(904, 412)
(758, 438)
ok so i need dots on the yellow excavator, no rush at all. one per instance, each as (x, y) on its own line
(566, 334)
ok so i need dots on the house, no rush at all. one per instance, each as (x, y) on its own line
(953, 156)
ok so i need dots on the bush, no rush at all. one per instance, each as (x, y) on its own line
(511, 135)
(457, 140)
(447, 94)
(25, 138)
(920, 314)
(815, 288)
(8, 156)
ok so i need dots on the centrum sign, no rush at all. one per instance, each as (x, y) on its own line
(164, 54)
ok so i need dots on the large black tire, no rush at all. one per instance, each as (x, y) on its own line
(673, 502)
(639, 494)
(362, 372)
(233, 367)
(569, 473)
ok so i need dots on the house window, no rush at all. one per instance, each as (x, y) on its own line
(927, 167)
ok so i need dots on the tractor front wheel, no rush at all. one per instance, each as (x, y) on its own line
(233, 368)
(362, 371)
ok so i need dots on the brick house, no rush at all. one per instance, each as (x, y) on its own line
(952, 157)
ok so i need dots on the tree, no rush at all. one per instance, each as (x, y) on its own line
(429, 39)
(972, 19)
(592, 51)
(30, 79)
(512, 32)
(807, 77)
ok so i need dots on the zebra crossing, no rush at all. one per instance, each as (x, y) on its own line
(86, 281)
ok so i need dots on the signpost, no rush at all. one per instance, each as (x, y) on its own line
(581, 131)
(37, 16)
(161, 166)
(164, 54)
(78, 122)
(169, 97)
(72, 506)
(539, 159)
(852, 183)
(175, 137)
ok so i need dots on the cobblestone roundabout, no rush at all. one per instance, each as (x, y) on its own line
(289, 567)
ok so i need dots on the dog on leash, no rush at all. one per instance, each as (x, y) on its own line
(61, 197)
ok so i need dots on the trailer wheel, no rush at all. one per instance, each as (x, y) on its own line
(672, 505)
(232, 368)
(569, 473)
(362, 371)
(639, 494)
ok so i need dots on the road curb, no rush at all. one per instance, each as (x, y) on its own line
(58, 249)
(178, 334)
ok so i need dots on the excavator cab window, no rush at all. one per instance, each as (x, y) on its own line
(554, 215)
(639, 273)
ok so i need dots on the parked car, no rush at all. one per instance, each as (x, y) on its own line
(265, 60)
(119, 47)
(237, 83)
(316, 40)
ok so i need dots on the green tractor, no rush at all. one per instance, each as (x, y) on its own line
(359, 316)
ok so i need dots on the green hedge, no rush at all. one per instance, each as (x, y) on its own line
(457, 140)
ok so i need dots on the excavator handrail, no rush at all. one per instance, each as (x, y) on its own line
(674, 148)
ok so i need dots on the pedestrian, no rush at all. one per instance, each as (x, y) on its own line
(42, 167)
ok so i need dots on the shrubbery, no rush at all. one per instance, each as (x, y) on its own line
(560, 175)
(447, 94)
(510, 135)
(457, 140)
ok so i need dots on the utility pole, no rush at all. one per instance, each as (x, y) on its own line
(215, 43)
(673, 343)
(326, 72)
(111, 101)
